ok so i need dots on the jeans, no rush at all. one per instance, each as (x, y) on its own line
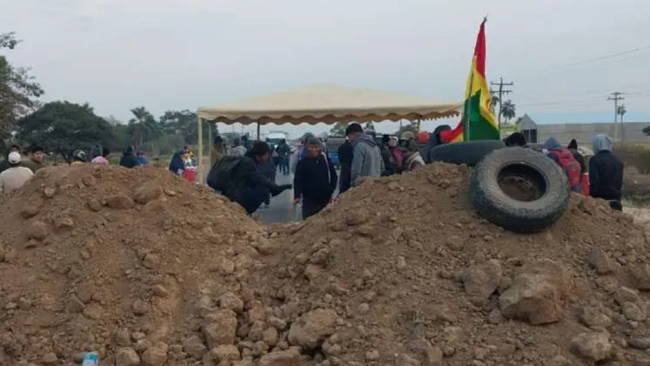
(252, 199)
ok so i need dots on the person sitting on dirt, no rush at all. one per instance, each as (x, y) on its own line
(315, 180)
(605, 173)
(345, 159)
(413, 157)
(4, 165)
(128, 159)
(239, 178)
(573, 147)
(36, 159)
(78, 157)
(237, 148)
(15, 176)
(142, 158)
(177, 165)
(563, 157)
(103, 158)
(516, 139)
(391, 155)
(366, 156)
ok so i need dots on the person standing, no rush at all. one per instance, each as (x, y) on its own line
(218, 150)
(413, 157)
(345, 159)
(36, 159)
(4, 165)
(284, 152)
(315, 180)
(267, 168)
(366, 156)
(15, 176)
(573, 148)
(605, 173)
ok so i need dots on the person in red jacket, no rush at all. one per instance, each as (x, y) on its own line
(563, 157)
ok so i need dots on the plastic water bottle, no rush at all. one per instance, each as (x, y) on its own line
(91, 359)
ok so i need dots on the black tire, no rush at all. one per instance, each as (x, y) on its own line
(519, 189)
(468, 153)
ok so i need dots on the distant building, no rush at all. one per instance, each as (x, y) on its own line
(581, 132)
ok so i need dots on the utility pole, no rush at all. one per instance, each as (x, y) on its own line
(501, 92)
(616, 97)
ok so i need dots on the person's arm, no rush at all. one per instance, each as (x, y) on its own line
(594, 178)
(333, 177)
(293, 161)
(256, 178)
(298, 181)
(358, 158)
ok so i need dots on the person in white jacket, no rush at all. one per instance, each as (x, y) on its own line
(16, 176)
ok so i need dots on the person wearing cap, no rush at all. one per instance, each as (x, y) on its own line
(315, 180)
(413, 157)
(4, 165)
(15, 176)
(366, 155)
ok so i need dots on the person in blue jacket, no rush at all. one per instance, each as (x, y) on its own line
(177, 165)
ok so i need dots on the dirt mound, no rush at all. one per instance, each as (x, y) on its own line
(116, 261)
(401, 272)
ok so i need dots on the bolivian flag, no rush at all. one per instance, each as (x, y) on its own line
(478, 121)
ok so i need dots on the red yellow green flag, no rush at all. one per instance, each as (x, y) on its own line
(478, 121)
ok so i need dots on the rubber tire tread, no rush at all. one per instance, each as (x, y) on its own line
(468, 153)
(494, 205)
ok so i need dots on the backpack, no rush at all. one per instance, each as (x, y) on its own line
(570, 166)
(220, 177)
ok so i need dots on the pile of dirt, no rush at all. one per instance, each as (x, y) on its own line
(115, 261)
(402, 272)
(148, 269)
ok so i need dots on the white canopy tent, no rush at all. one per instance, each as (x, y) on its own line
(325, 103)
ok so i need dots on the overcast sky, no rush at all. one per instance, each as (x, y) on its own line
(182, 54)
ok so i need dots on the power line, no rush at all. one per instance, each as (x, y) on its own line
(580, 101)
(595, 59)
(501, 91)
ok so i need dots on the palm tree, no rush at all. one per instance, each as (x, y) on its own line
(494, 100)
(621, 110)
(508, 110)
(143, 125)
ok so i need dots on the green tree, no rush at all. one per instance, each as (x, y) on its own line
(143, 127)
(18, 90)
(63, 127)
(338, 129)
(508, 110)
(370, 126)
(185, 123)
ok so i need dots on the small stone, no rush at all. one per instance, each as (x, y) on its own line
(592, 346)
(194, 347)
(401, 262)
(641, 277)
(151, 261)
(122, 338)
(624, 294)
(601, 262)
(50, 358)
(120, 201)
(632, 311)
(222, 329)
(147, 193)
(140, 307)
(290, 357)
(270, 337)
(363, 308)
(38, 230)
(225, 266)
(433, 356)
(231, 301)
(93, 311)
(482, 280)
(127, 357)
(154, 356)
(63, 223)
(277, 323)
(495, 317)
(160, 291)
(594, 318)
(49, 192)
(29, 211)
(311, 329)
(372, 355)
(94, 205)
(75, 305)
(227, 352)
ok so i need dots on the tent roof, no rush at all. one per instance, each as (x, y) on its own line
(329, 104)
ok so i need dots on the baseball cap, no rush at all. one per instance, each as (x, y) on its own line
(14, 158)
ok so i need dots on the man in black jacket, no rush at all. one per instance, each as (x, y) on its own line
(346, 152)
(605, 173)
(240, 179)
(315, 180)
(128, 159)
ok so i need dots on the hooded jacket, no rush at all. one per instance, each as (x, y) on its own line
(605, 171)
(128, 159)
(366, 158)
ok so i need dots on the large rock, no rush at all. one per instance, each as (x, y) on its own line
(592, 346)
(290, 357)
(482, 280)
(312, 328)
(535, 294)
(222, 328)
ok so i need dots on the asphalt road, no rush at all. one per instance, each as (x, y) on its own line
(281, 208)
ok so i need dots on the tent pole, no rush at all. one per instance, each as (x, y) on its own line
(210, 142)
(200, 163)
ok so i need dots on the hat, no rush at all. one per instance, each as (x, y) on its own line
(14, 158)
(407, 135)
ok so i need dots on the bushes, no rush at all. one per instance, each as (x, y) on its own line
(636, 179)
(637, 156)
